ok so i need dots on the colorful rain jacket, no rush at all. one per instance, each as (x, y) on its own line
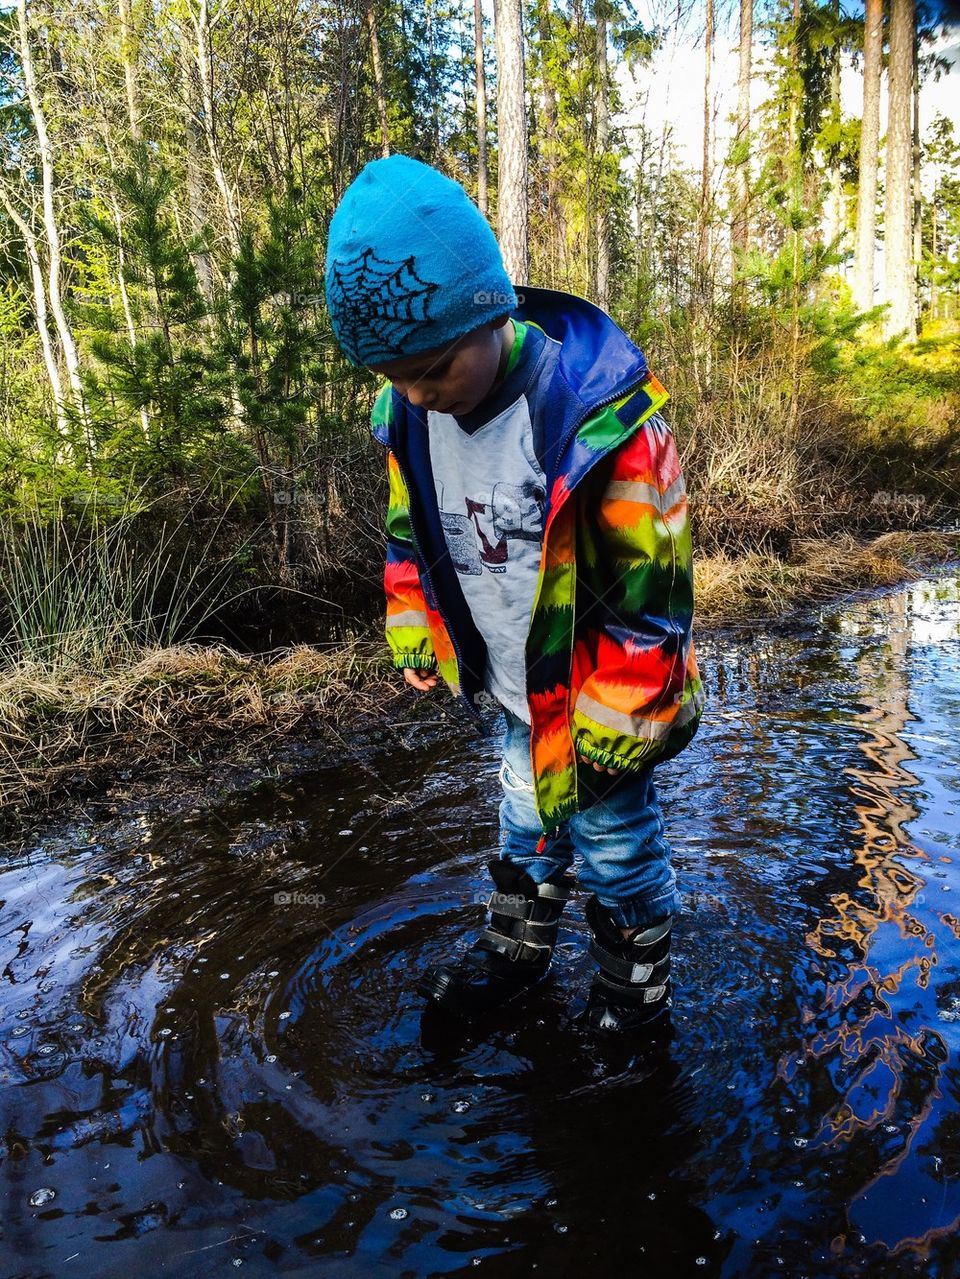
(610, 663)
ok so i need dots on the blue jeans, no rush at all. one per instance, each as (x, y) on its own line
(619, 835)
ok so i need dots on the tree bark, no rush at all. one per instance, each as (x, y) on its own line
(740, 236)
(704, 244)
(512, 209)
(899, 272)
(51, 228)
(128, 55)
(866, 230)
(39, 308)
(602, 144)
(378, 81)
(556, 237)
(483, 199)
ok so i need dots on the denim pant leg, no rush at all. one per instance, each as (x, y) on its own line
(626, 856)
(520, 828)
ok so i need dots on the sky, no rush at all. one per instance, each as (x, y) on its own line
(670, 91)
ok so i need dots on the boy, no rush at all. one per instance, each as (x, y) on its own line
(538, 551)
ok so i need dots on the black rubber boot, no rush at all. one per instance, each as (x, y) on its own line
(632, 987)
(513, 952)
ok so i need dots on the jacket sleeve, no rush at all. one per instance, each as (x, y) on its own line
(407, 628)
(640, 696)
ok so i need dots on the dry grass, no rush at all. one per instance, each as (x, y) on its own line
(57, 730)
(728, 589)
(171, 702)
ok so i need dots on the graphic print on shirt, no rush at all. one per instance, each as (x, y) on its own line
(480, 539)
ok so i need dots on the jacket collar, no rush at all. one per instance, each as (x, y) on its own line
(585, 333)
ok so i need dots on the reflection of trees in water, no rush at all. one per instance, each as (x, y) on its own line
(887, 1076)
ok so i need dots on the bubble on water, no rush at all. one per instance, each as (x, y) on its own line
(224, 976)
(42, 1196)
(560, 1228)
(284, 1016)
(46, 1049)
(271, 1057)
(652, 1194)
(398, 1214)
(461, 1106)
(238, 1261)
(204, 959)
(701, 1261)
(346, 831)
(426, 1096)
(890, 1128)
(799, 1142)
(273, 973)
(24, 1014)
(20, 1030)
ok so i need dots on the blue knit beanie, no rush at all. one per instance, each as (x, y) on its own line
(411, 263)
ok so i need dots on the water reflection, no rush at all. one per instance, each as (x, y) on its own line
(204, 1073)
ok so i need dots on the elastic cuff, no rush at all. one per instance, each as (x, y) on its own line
(607, 758)
(416, 661)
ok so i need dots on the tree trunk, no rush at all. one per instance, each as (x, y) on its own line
(835, 220)
(865, 251)
(740, 237)
(39, 309)
(378, 81)
(204, 56)
(51, 229)
(915, 156)
(483, 200)
(512, 210)
(556, 237)
(899, 273)
(602, 114)
(704, 245)
(128, 55)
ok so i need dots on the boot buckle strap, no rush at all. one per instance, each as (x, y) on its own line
(632, 994)
(625, 969)
(512, 947)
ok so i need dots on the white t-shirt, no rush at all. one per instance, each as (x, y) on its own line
(491, 492)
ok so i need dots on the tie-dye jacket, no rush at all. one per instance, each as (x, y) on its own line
(611, 668)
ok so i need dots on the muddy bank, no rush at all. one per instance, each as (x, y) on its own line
(181, 714)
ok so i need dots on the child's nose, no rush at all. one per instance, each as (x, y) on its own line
(420, 395)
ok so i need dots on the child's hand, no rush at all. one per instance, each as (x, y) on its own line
(599, 767)
(420, 680)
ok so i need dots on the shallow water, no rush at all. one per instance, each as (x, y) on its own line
(206, 1077)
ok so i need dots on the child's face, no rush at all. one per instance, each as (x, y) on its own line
(454, 378)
